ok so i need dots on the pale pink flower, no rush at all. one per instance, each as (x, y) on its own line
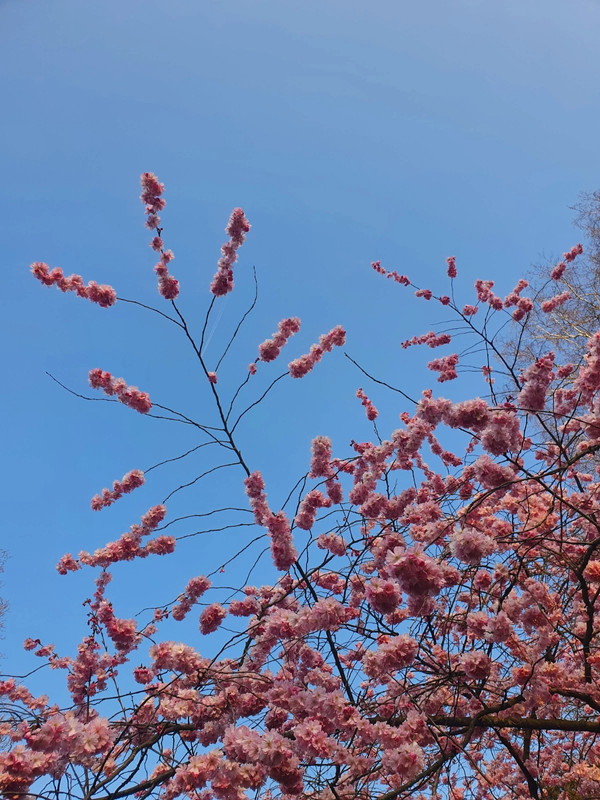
(237, 228)
(536, 378)
(451, 261)
(573, 253)
(403, 763)
(105, 296)
(128, 395)
(132, 480)
(303, 365)
(320, 465)
(470, 545)
(555, 302)
(212, 377)
(370, 409)
(417, 573)
(271, 348)
(558, 271)
(476, 664)
(383, 595)
(212, 617)
(431, 339)
(309, 506)
(333, 542)
(446, 366)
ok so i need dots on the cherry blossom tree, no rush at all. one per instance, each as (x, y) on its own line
(430, 628)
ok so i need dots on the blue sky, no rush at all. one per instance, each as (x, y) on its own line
(349, 132)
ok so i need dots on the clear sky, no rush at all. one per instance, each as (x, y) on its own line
(348, 131)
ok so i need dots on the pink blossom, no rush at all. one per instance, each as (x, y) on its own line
(426, 294)
(501, 432)
(431, 339)
(513, 298)
(555, 302)
(370, 409)
(470, 545)
(476, 664)
(401, 279)
(383, 595)
(587, 382)
(283, 551)
(211, 618)
(309, 506)
(416, 572)
(469, 310)
(536, 378)
(558, 271)
(403, 762)
(152, 189)
(303, 365)
(490, 474)
(320, 465)
(451, 261)
(132, 480)
(237, 228)
(212, 377)
(393, 653)
(573, 253)
(128, 395)
(524, 306)
(105, 296)
(333, 542)
(446, 366)
(271, 348)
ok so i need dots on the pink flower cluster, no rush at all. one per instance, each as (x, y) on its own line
(470, 545)
(211, 618)
(127, 484)
(370, 409)
(152, 190)
(333, 542)
(127, 547)
(485, 294)
(393, 653)
(321, 467)
(417, 573)
(555, 302)
(283, 551)
(476, 664)
(128, 395)
(311, 503)
(401, 279)
(193, 591)
(303, 365)
(212, 377)
(573, 253)
(383, 595)
(431, 339)
(536, 378)
(513, 298)
(271, 348)
(446, 366)
(451, 261)
(237, 228)
(105, 296)
(587, 382)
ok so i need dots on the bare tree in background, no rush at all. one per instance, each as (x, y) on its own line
(567, 326)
